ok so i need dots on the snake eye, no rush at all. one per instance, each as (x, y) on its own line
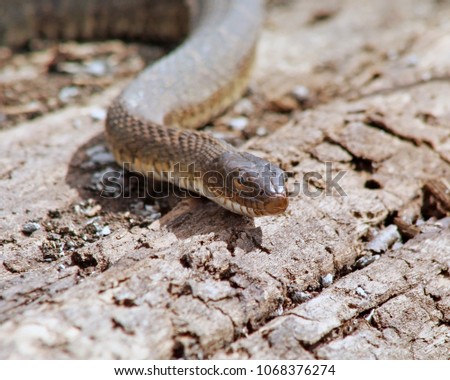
(239, 183)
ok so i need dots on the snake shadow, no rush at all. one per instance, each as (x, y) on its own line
(95, 176)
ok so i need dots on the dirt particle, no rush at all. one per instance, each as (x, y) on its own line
(29, 228)
(327, 280)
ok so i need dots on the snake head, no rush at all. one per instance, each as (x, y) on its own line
(247, 185)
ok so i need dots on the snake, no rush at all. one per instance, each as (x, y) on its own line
(152, 125)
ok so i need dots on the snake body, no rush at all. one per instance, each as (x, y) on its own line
(149, 125)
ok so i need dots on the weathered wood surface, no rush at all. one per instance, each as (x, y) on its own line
(365, 275)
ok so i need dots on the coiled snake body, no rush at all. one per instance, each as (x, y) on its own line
(184, 89)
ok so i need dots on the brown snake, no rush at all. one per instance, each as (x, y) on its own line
(185, 89)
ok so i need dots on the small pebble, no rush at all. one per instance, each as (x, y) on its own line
(362, 262)
(280, 310)
(29, 228)
(93, 220)
(98, 154)
(92, 211)
(77, 209)
(70, 68)
(369, 318)
(238, 123)
(103, 158)
(105, 231)
(261, 131)
(68, 93)
(98, 229)
(150, 212)
(361, 292)
(299, 297)
(97, 68)
(327, 280)
(97, 114)
(93, 150)
(385, 239)
(53, 236)
(301, 93)
(109, 182)
(152, 209)
(244, 107)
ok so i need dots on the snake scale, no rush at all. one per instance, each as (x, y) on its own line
(149, 126)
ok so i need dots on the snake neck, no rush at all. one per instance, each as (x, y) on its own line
(149, 147)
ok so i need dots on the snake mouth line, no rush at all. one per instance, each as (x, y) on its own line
(238, 208)
(258, 202)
